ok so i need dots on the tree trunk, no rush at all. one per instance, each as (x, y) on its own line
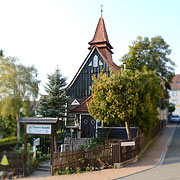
(18, 128)
(128, 130)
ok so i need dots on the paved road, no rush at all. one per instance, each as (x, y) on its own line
(170, 167)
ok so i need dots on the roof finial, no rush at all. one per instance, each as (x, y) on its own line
(101, 10)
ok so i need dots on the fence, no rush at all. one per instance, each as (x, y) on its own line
(103, 156)
(98, 157)
(124, 153)
(13, 162)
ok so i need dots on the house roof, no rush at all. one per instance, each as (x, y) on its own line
(100, 33)
(100, 38)
(175, 85)
(83, 106)
(39, 120)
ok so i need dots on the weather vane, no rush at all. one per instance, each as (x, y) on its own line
(101, 10)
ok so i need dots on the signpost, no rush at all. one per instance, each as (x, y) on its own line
(132, 143)
(38, 129)
(38, 126)
(36, 142)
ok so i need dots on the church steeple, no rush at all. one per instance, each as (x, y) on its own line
(100, 38)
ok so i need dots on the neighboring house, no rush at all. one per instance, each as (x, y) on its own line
(175, 94)
(99, 59)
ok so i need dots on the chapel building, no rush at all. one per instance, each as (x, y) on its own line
(99, 59)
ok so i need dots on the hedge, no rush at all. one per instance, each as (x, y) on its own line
(8, 143)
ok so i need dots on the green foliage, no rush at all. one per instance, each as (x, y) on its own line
(18, 87)
(40, 156)
(8, 126)
(98, 141)
(171, 107)
(154, 54)
(95, 142)
(1, 52)
(88, 168)
(78, 170)
(8, 139)
(20, 150)
(129, 96)
(8, 143)
(66, 172)
(54, 103)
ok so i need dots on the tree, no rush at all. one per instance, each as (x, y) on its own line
(1, 52)
(171, 108)
(18, 85)
(154, 54)
(54, 103)
(127, 96)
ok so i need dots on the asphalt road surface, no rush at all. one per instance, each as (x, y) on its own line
(170, 167)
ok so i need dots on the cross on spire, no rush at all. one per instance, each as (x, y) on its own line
(101, 10)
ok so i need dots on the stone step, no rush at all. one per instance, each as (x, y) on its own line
(43, 169)
(44, 166)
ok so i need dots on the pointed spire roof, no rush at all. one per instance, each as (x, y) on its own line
(100, 38)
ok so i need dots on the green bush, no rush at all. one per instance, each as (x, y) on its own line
(88, 168)
(8, 143)
(8, 139)
(95, 142)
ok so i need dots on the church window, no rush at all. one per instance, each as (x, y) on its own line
(100, 63)
(95, 61)
(90, 64)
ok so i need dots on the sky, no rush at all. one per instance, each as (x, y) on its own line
(55, 33)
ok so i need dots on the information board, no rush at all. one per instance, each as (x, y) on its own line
(38, 129)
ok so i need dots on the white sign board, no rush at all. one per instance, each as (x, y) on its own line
(37, 142)
(128, 143)
(38, 129)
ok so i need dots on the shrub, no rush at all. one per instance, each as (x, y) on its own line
(8, 143)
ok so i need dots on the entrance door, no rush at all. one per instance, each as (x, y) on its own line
(88, 126)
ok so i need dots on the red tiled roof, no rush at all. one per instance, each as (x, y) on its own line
(100, 33)
(101, 41)
(100, 38)
(175, 85)
(108, 58)
(82, 107)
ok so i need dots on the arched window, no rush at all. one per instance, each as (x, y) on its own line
(95, 61)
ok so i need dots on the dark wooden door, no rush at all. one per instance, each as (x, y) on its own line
(88, 126)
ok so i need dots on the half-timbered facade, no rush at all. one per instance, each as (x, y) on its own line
(99, 59)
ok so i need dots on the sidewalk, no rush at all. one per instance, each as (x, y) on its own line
(151, 158)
